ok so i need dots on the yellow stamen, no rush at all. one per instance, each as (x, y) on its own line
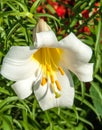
(48, 67)
(58, 85)
(52, 78)
(61, 70)
(44, 81)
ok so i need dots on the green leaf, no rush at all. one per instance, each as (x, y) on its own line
(34, 6)
(11, 6)
(1, 55)
(50, 8)
(96, 94)
(83, 89)
(2, 90)
(76, 113)
(86, 121)
(13, 29)
(73, 23)
(79, 127)
(87, 103)
(6, 107)
(47, 15)
(7, 122)
(57, 128)
(99, 78)
(21, 4)
(98, 62)
(16, 122)
(7, 100)
(98, 32)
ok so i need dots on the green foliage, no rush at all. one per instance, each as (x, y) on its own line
(17, 20)
(96, 94)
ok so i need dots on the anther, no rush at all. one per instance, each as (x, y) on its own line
(52, 78)
(44, 81)
(58, 85)
(61, 70)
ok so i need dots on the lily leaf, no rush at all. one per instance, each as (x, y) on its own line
(96, 94)
(7, 122)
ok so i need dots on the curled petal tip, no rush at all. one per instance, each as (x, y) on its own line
(42, 26)
(40, 21)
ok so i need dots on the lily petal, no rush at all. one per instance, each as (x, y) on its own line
(41, 27)
(23, 88)
(84, 72)
(67, 93)
(80, 50)
(17, 64)
(46, 39)
(76, 57)
(46, 97)
(19, 53)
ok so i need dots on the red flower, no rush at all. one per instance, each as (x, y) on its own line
(97, 4)
(85, 13)
(33, 0)
(39, 9)
(55, 5)
(61, 11)
(86, 29)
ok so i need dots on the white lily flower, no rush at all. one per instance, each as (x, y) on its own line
(44, 69)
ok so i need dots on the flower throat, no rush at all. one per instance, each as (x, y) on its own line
(49, 59)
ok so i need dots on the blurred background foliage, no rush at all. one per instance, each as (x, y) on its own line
(83, 17)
